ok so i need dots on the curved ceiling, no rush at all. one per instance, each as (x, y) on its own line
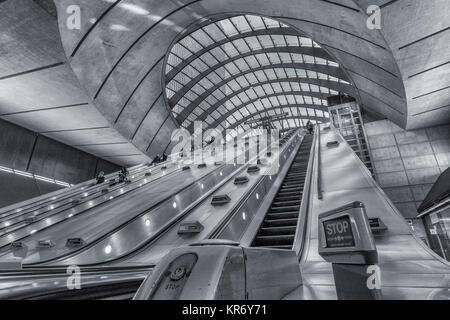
(242, 67)
(40, 92)
(119, 53)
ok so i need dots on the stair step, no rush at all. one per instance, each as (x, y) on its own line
(284, 247)
(285, 203)
(280, 222)
(282, 215)
(287, 190)
(295, 187)
(284, 209)
(275, 240)
(272, 231)
(296, 177)
(293, 180)
(281, 198)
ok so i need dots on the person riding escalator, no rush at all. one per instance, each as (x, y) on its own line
(100, 177)
(123, 175)
(310, 127)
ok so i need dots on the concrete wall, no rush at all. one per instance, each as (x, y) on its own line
(15, 188)
(24, 150)
(408, 163)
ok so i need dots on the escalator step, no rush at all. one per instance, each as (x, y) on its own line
(290, 189)
(272, 231)
(293, 184)
(275, 240)
(285, 247)
(284, 209)
(280, 222)
(282, 215)
(285, 203)
(286, 195)
(294, 180)
(280, 198)
(297, 176)
(284, 192)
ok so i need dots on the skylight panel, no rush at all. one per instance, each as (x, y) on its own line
(227, 27)
(241, 24)
(256, 22)
(189, 42)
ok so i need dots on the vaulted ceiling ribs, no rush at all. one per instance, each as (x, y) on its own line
(246, 67)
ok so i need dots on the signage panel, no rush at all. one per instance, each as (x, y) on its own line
(338, 233)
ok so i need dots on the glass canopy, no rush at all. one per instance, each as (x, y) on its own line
(231, 71)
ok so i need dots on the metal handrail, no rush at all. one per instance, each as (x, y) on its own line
(300, 232)
(319, 171)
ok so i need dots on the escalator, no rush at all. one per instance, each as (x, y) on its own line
(101, 285)
(279, 226)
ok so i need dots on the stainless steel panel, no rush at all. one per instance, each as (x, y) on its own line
(409, 269)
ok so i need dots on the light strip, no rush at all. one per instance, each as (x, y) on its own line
(36, 177)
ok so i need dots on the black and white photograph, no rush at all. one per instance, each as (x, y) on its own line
(224, 155)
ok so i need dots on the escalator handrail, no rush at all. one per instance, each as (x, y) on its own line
(64, 194)
(305, 204)
(79, 211)
(48, 196)
(94, 192)
(127, 278)
(319, 174)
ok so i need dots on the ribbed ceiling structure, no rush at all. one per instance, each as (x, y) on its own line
(230, 71)
(120, 55)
